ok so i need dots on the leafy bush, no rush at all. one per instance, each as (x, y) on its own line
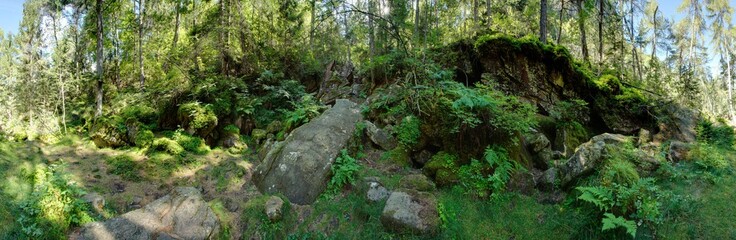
(141, 113)
(720, 134)
(53, 207)
(443, 168)
(625, 206)
(409, 131)
(489, 178)
(231, 129)
(125, 167)
(196, 117)
(190, 143)
(710, 157)
(305, 109)
(343, 172)
(144, 138)
(570, 114)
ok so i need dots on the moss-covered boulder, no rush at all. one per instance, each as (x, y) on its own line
(109, 133)
(197, 119)
(418, 182)
(442, 168)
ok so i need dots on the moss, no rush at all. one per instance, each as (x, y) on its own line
(274, 127)
(141, 113)
(399, 156)
(619, 171)
(191, 143)
(167, 145)
(607, 83)
(417, 182)
(442, 167)
(258, 134)
(144, 138)
(231, 129)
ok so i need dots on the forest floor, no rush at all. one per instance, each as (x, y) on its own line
(224, 179)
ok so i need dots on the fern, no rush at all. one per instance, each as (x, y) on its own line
(476, 180)
(343, 171)
(600, 196)
(611, 221)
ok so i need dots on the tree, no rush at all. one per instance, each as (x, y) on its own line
(543, 22)
(720, 13)
(582, 15)
(100, 72)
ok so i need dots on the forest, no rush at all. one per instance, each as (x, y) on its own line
(368, 119)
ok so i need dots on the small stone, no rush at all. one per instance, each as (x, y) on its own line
(96, 200)
(376, 192)
(274, 208)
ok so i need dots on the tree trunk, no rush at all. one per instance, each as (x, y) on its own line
(729, 81)
(141, 15)
(98, 98)
(488, 13)
(543, 22)
(313, 10)
(59, 73)
(371, 36)
(562, 14)
(654, 40)
(175, 41)
(581, 24)
(601, 18)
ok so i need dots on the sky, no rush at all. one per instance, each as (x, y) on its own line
(11, 12)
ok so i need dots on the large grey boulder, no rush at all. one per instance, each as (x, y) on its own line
(411, 211)
(299, 167)
(588, 156)
(180, 215)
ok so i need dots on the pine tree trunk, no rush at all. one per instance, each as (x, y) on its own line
(601, 18)
(98, 97)
(543, 22)
(141, 15)
(562, 14)
(581, 24)
(59, 73)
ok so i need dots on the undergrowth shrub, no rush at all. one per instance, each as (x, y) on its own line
(190, 143)
(144, 138)
(488, 177)
(53, 207)
(409, 131)
(710, 158)
(719, 134)
(343, 172)
(304, 110)
(197, 116)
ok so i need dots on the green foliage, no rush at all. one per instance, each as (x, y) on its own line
(343, 172)
(53, 207)
(570, 114)
(623, 204)
(231, 129)
(190, 143)
(720, 134)
(489, 178)
(196, 116)
(608, 83)
(305, 109)
(710, 157)
(611, 221)
(144, 138)
(125, 167)
(399, 156)
(409, 131)
(141, 113)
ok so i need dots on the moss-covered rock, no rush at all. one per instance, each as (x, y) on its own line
(107, 132)
(167, 145)
(418, 182)
(258, 135)
(197, 119)
(399, 156)
(442, 168)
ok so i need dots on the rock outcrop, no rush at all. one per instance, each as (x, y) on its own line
(299, 167)
(588, 156)
(183, 214)
(380, 137)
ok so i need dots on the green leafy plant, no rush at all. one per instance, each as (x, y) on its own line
(720, 134)
(343, 172)
(305, 109)
(197, 116)
(190, 143)
(54, 205)
(409, 131)
(489, 177)
(144, 138)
